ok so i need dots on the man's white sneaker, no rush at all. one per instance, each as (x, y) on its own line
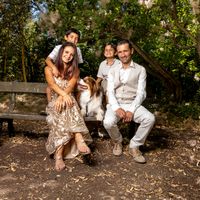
(117, 150)
(137, 155)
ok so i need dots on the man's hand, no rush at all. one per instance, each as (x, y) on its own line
(129, 117)
(121, 113)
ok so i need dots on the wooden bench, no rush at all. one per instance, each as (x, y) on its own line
(12, 89)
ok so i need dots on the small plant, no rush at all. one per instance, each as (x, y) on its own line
(185, 110)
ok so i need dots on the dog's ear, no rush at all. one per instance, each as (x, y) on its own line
(98, 83)
(90, 82)
(98, 88)
(92, 88)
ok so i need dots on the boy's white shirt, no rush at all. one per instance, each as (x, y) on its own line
(104, 68)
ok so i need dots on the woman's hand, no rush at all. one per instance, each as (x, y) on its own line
(68, 101)
(59, 104)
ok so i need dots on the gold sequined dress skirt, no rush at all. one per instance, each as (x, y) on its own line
(63, 125)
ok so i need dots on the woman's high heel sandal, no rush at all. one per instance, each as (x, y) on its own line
(81, 144)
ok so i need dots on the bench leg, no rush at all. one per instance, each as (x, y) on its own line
(11, 131)
(1, 125)
(102, 133)
(132, 129)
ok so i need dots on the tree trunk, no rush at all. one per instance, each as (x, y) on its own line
(5, 65)
(171, 83)
(23, 65)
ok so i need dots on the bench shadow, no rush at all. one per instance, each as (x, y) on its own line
(158, 139)
(34, 135)
(1, 143)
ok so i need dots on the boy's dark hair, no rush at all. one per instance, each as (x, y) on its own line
(125, 41)
(73, 30)
(111, 44)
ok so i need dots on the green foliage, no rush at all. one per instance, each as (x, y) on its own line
(185, 110)
(167, 32)
(197, 97)
(91, 62)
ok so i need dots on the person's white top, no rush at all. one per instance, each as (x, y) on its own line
(53, 55)
(104, 68)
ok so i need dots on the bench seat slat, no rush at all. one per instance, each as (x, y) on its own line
(23, 87)
(31, 116)
(22, 116)
(26, 87)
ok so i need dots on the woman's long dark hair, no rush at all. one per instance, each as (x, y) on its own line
(73, 64)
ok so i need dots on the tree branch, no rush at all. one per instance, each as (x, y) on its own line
(179, 25)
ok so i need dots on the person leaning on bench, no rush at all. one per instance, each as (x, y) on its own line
(71, 35)
(126, 92)
(68, 133)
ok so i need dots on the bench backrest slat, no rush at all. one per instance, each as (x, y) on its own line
(23, 87)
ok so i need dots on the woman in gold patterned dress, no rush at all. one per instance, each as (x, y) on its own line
(68, 133)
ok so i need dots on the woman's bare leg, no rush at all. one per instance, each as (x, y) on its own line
(81, 145)
(59, 163)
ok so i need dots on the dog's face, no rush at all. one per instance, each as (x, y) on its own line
(90, 98)
(91, 84)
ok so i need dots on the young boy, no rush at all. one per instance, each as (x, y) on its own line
(106, 65)
(72, 35)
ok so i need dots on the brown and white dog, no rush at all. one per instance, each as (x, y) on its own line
(90, 98)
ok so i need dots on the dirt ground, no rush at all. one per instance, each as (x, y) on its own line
(172, 170)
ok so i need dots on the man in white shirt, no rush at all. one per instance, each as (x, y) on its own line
(126, 92)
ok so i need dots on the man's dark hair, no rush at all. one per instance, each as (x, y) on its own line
(73, 30)
(125, 41)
